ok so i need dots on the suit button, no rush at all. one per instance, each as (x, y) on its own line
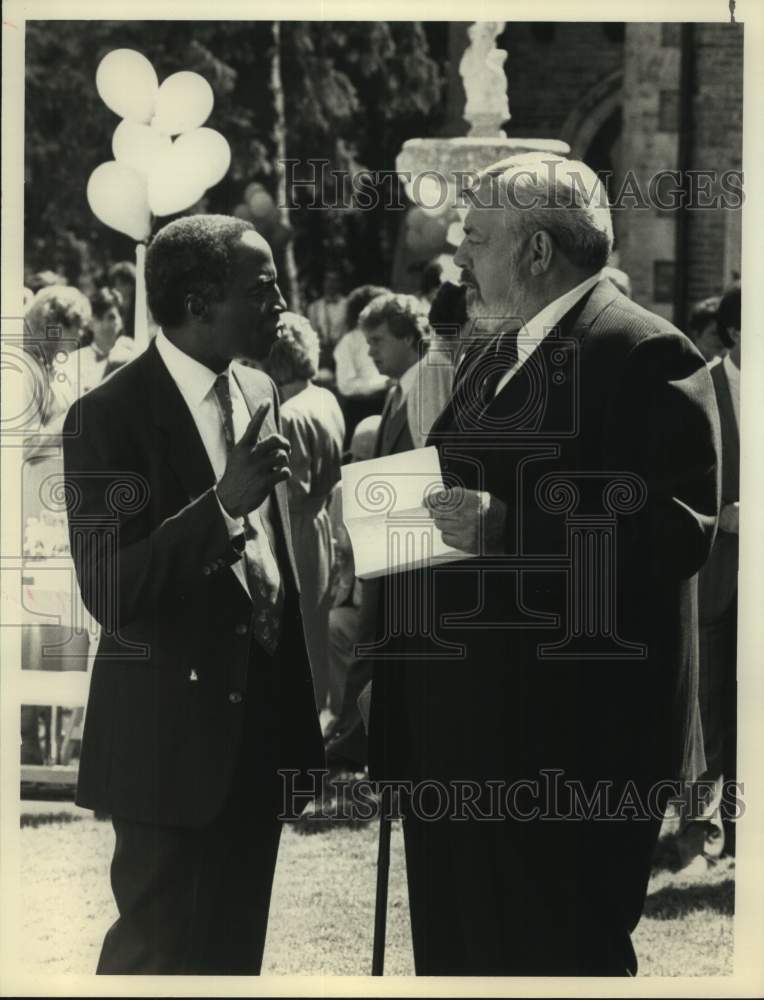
(241, 629)
(236, 697)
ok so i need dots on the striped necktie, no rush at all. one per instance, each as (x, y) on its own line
(262, 571)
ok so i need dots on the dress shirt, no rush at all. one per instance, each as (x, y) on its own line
(357, 375)
(327, 317)
(86, 368)
(406, 382)
(196, 384)
(732, 372)
(533, 332)
(431, 389)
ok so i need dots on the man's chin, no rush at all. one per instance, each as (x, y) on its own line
(484, 318)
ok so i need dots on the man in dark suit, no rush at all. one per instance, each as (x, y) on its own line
(709, 828)
(201, 688)
(544, 689)
(395, 327)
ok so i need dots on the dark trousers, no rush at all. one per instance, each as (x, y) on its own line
(195, 901)
(512, 899)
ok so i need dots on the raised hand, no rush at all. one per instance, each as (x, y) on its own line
(253, 468)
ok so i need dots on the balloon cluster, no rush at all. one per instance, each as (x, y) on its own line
(151, 173)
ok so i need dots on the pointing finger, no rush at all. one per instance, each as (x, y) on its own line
(252, 432)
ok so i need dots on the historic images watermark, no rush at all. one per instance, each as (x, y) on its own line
(315, 184)
(549, 796)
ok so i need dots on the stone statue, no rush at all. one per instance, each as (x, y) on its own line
(485, 83)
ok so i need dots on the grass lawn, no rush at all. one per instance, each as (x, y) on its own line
(323, 905)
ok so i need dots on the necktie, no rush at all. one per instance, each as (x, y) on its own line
(392, 403)
(262, 571)
(483, 366)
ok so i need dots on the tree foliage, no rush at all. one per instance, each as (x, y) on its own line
(353, 93)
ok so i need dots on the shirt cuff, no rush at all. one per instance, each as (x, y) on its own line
(234, 525)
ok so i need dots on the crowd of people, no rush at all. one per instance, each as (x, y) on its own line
(343, 373)
(354, 379)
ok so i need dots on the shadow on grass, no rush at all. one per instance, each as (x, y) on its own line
(675, 902)
(44, 819)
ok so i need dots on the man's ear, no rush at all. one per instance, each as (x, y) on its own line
(541, 250)
(196, 307)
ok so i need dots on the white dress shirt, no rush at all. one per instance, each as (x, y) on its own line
(733, 380)
(430, 390)
(196, 384)
(327, 317)
(85, 368)
(534, 331)
(357, 375)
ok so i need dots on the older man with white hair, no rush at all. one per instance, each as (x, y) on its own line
(542, 696)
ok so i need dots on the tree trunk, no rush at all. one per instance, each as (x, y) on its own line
(279, 137)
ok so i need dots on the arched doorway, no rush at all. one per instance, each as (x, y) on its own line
(593, 131)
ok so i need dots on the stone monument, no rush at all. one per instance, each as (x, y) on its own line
(487, 109)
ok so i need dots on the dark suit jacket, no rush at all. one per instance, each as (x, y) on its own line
(153, 556)
(717, 584)
(619, 390)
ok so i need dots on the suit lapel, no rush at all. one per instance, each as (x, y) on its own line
(184, 449)
(555, 352)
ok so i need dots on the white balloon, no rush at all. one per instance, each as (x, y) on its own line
(184, 101)
(138, 146)
(117, 196)
(128, 84)
(175, 183)
(210, 149)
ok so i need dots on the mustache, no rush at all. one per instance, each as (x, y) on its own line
(468, 279)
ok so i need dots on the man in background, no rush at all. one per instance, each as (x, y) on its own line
(708, 830)
(705, 331)
(395, 327)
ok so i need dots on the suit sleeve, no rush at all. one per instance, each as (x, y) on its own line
(127, 568)
(665, 428)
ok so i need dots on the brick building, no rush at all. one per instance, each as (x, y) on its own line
(644, 98)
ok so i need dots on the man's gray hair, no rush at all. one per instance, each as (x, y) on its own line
(563, 197)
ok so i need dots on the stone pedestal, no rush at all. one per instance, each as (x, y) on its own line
(453, 158)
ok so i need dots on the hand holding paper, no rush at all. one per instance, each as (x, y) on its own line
(387, 511)
(469, 520)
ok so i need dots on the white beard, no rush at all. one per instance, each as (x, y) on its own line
(489, 320)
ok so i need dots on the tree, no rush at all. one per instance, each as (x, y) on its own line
(352, 93)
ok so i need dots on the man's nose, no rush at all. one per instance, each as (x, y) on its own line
(279, 304)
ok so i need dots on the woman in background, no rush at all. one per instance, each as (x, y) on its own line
(53, 325)
(98, 358)
(312, 421)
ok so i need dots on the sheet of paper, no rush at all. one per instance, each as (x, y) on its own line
(390, 528)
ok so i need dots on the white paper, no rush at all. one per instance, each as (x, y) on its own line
(390, 528)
